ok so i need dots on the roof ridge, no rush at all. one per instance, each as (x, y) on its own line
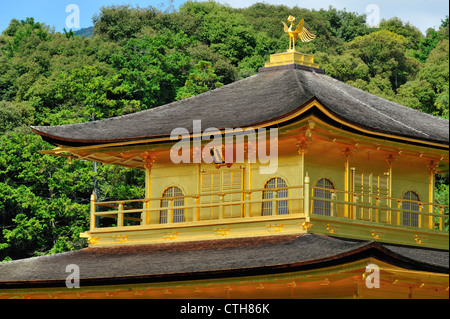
(371, 107)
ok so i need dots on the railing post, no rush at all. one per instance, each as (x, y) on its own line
(221, 209)
(420, 219)
(352, 194)
(247, 205)
(357, 208)
(400, 213)
(170, 217)
(333, 204)
(377, 211)
(195, 210)
(92, 221)
(274, 203)
(120, 215)
(144, 213)
(306, 197)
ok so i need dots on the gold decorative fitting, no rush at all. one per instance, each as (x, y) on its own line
(329, 229)
(120, 238)
(222, 231)
(93, 240)
(419, 239)
(374, 234)
(326, 282)
(260, 286)
(306, 225)
(170, 236)
(166, 292)
(274, 228)
(292, 284)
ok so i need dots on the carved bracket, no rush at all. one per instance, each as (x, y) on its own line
(349, 151)
(391, 158)
(148, 160)
(432, 165)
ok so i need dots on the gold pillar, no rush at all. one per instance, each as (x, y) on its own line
(347, 152)
(93, 208)
(390, 159)
(148, 163)
(303, 144)
(432, 167)
(248, 177)
(306, 198)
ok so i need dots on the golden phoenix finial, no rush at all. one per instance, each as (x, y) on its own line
(300, 32)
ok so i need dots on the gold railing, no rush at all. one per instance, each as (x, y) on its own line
(167, 211)
(379, 209)
(301, 201)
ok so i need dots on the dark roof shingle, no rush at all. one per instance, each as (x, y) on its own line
(227, 257)
(254, 100)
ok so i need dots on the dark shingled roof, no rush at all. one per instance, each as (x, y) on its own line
(212, 259)
(254, 100)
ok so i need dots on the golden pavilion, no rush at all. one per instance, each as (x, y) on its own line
(351, 185)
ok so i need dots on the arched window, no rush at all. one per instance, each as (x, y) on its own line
(410, 206)
(283, 205)
(178, 213)
(322, 207)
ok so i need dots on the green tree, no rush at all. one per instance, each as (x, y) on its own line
(42, 198)
(412, 34)
(202, 79)
(120, 23)
(343, 67)
(428, 91)
(384, 52)
(152, 69)
(345, 25)
(96, 94)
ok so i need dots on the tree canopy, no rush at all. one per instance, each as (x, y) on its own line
(140, 58)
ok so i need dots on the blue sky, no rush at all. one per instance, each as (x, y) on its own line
(420, 13)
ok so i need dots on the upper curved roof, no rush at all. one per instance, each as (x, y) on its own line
(256, 100)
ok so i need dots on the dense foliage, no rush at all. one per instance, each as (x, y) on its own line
(139, 58)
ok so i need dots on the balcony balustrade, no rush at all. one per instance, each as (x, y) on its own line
(315, 209)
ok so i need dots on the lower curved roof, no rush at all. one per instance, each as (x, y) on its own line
(254, 101)
(212, 259)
